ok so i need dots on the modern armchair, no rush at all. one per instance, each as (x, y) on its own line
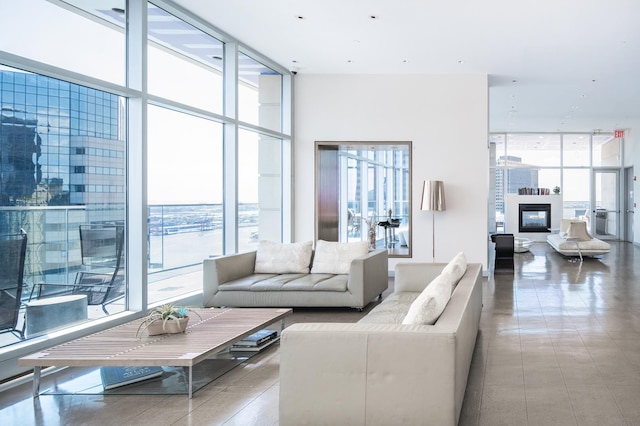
(12, 256)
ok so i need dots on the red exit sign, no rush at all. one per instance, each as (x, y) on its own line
(618, 133)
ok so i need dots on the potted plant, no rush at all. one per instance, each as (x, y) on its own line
(168, 318)
(556, 190)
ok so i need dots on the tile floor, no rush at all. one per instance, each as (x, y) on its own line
(559, 344)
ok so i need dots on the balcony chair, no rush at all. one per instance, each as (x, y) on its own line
(103, 282)
(12, 255)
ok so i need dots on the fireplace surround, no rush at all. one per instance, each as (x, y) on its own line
(534, 217)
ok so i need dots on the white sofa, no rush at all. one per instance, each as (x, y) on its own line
(573, 239)
(292, 275)
(380, 371)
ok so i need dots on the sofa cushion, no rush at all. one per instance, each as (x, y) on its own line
(428, 306)
(391, 310)
(279, 258)
(456, 267)
(288, 282)
(335, 258)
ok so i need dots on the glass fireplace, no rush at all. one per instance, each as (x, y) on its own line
(534, 218)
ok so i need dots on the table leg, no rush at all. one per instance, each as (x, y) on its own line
(190, 382)
(36, 381)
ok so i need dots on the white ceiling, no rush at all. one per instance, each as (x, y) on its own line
(553, 65)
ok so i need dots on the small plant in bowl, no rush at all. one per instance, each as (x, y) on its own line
(168, 318)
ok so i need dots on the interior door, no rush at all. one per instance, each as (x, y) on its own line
(605, 216)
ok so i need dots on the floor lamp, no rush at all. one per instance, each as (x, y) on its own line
(433, 199)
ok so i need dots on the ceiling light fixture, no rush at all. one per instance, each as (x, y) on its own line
(300, 17)
(373, 17)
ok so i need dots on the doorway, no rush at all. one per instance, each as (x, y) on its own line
(605, 216)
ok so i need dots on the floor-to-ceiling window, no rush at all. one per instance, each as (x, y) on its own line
(216, 142)
(562, 163)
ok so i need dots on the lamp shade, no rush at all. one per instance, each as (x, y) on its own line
(433, 195)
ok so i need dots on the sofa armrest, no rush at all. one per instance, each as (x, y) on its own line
(414, 277)
(369, 276)
(223, 269)
(367, 373)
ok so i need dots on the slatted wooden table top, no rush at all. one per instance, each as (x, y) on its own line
(118, 346)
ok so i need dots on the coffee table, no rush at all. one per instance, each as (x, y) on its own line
(218, 330)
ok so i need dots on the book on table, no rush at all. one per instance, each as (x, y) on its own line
(257, 339)
(113, 377)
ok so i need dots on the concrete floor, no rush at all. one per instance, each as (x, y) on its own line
(559, 344)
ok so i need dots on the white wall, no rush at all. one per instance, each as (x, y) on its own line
(446, 118)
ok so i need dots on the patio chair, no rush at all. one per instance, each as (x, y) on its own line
(103, 281)
(12, 255)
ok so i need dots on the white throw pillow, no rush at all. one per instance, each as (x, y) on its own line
(278, 258)
(430, 304)
(456, 267)
(335, 258)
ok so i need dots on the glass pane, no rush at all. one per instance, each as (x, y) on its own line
(259, 94)
(62, 166)
(185, 64)
(375, 195)
(541, 150)
(526, 181)
(499, 141)
(185, 197)
(99, 52)
(575, 193)
(575, 150)
(259, 190)
(606, 215)
(606, 151)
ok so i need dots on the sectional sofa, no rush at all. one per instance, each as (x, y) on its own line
(387, 368)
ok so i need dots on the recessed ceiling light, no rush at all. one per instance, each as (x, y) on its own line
(117, 10)
(349, 60)
(405, 61)
(594, 80)
(300, 17)
(216, 57)
(373, 17)
(461, 61)
(294, 61)
(514, 81)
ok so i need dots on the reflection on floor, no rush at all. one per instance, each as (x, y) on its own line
(559, 344)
